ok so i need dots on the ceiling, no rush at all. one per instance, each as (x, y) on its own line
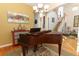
(51, 5)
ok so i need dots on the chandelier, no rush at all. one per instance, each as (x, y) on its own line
(41, 8)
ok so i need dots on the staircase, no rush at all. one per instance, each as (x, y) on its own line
(58, 23)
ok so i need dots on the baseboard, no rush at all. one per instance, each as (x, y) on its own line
(9, 44)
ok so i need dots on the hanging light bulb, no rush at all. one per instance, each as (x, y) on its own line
(34, 7)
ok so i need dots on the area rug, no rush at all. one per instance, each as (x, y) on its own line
(45, 50)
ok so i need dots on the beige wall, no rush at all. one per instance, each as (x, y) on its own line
(5, 27)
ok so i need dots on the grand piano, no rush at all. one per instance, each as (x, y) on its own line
(29, 40)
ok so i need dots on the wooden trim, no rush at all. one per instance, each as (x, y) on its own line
(6, 45)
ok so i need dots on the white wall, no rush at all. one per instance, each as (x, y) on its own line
(51, 24)
(36, 17)
(39, 21)
(70, 14)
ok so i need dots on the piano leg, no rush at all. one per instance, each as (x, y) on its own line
(41, 44)
(23, 51)
(59, 45)
(35, 48)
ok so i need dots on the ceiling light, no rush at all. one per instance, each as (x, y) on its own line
(40, 5)
(41, 8)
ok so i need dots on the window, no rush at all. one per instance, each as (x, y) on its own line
(60, 12)
(76, 21)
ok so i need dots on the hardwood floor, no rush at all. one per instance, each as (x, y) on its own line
(7, 49)
(68, 43)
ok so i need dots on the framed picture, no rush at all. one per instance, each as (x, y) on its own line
(53, 19)
(35, 21)
(76, 21)
(14, 17)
